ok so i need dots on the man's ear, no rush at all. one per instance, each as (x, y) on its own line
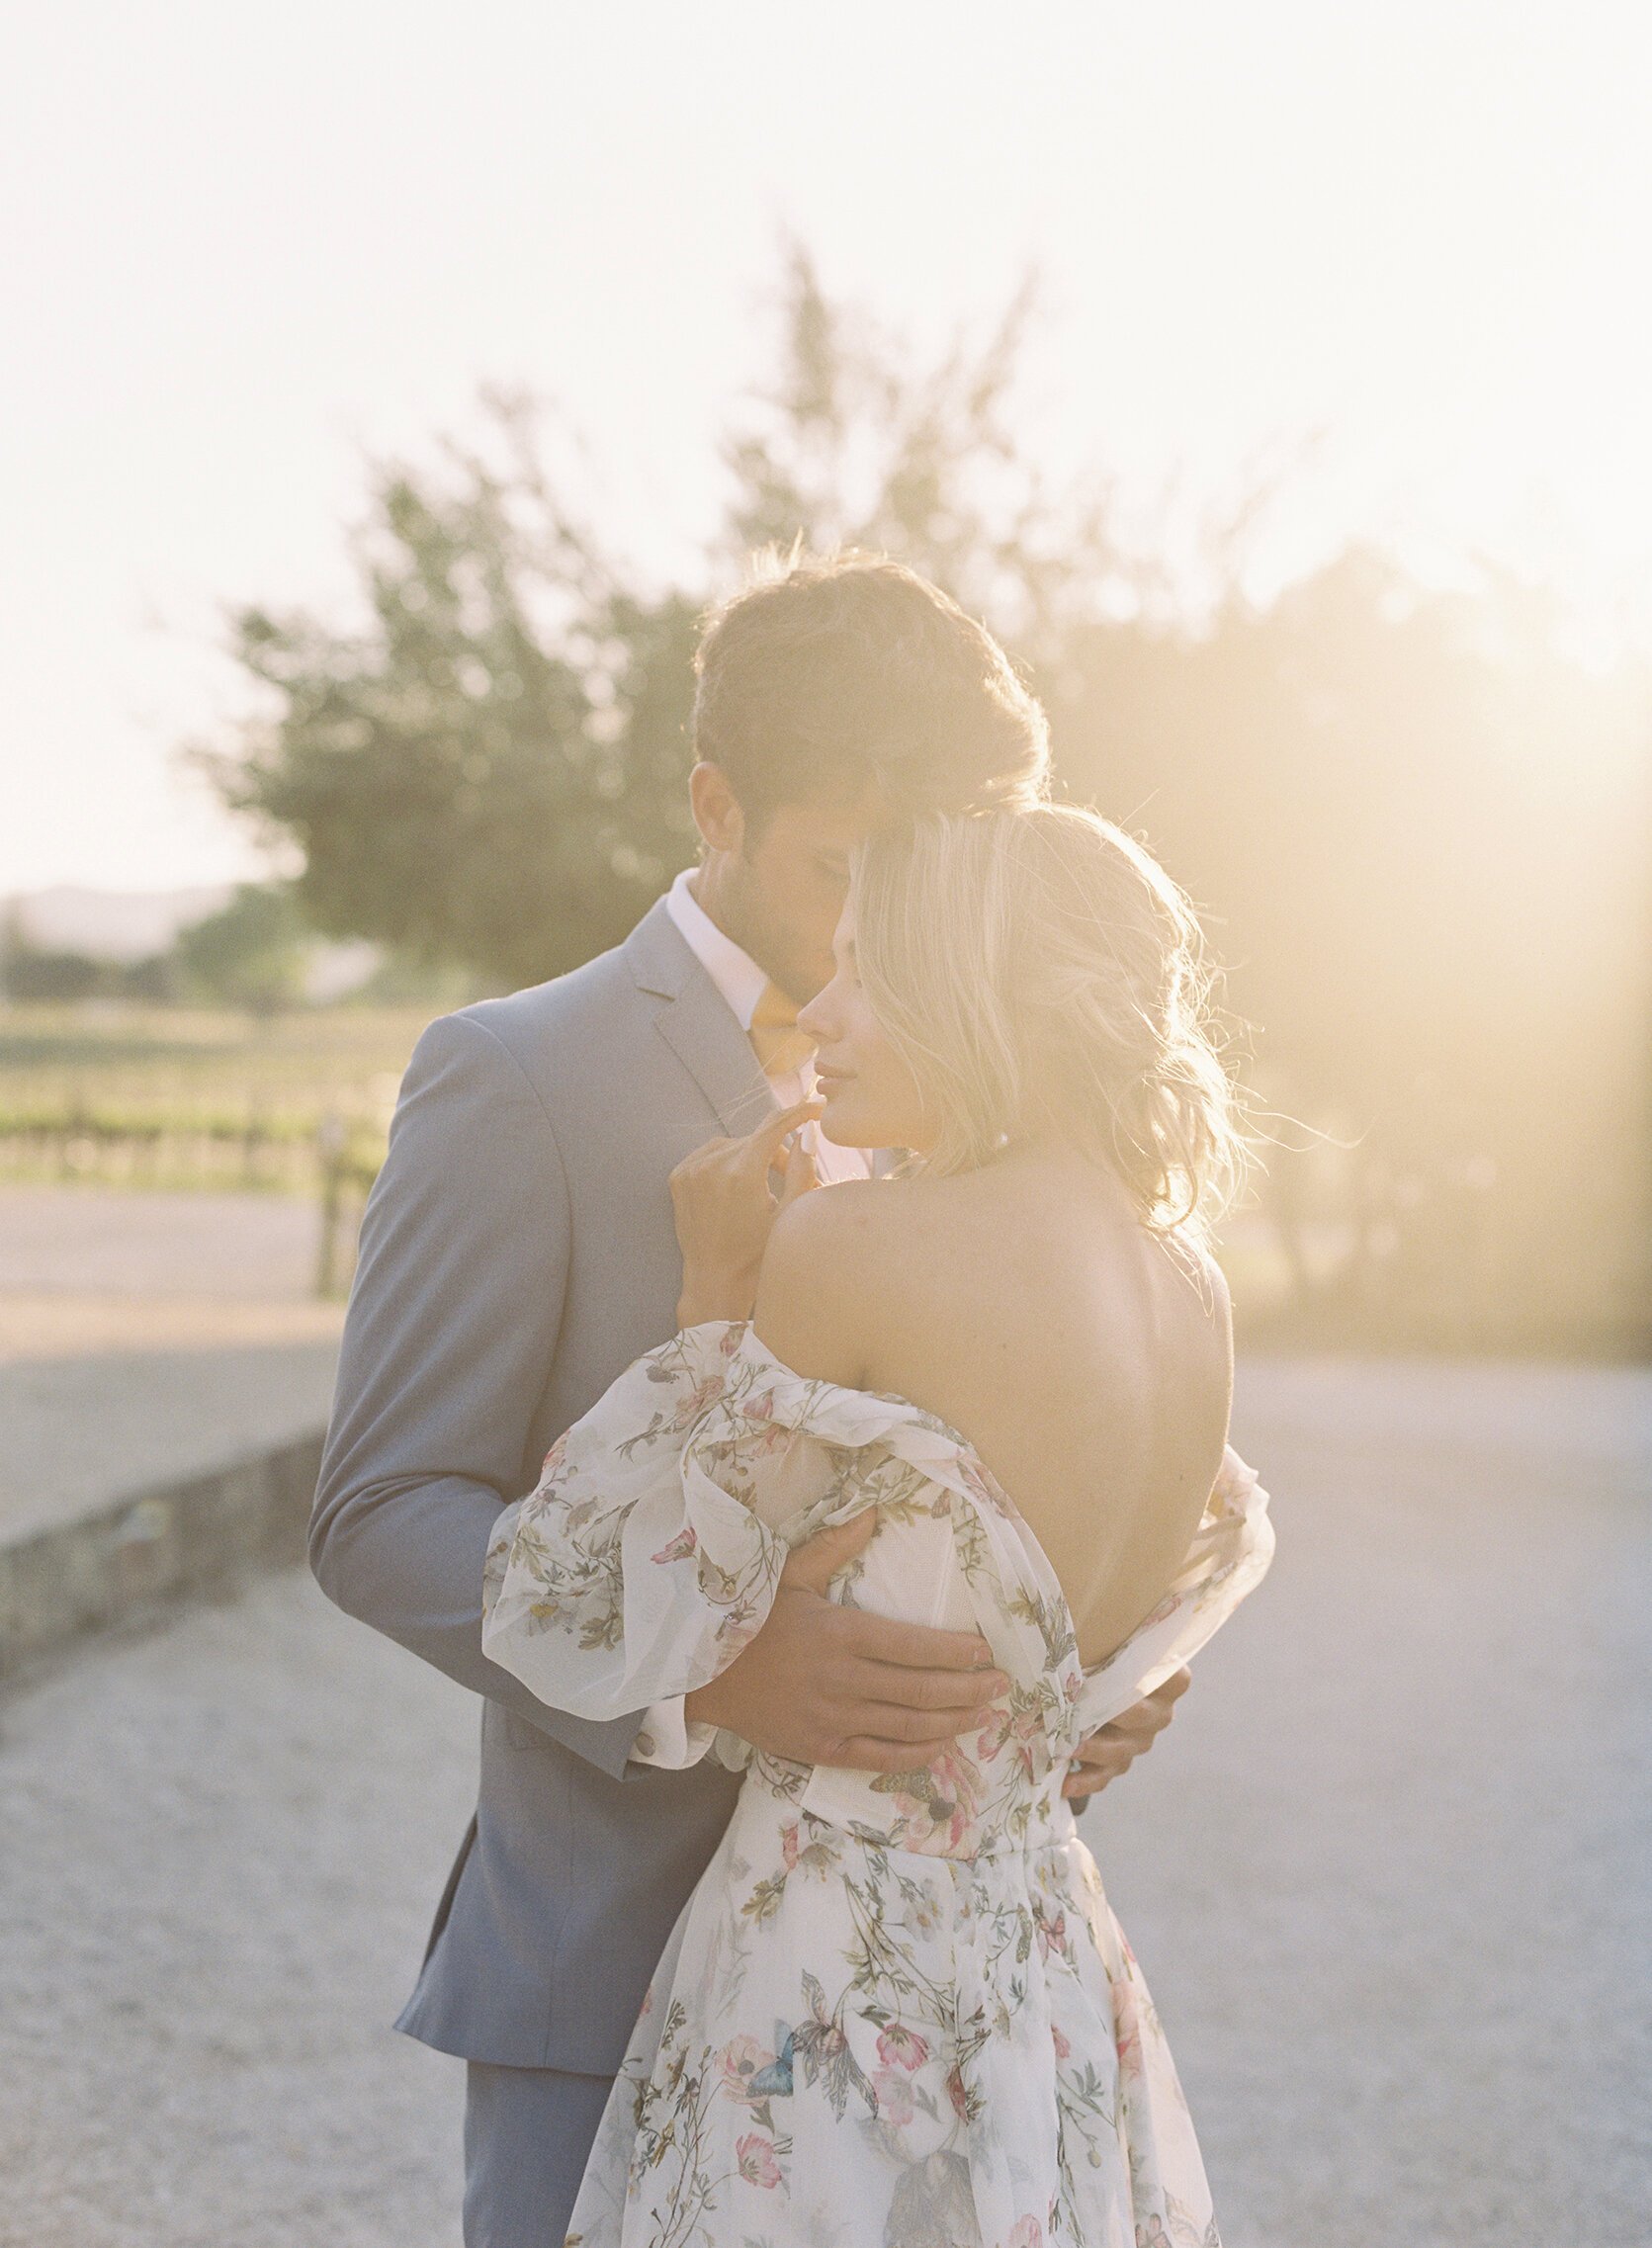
(716, 809)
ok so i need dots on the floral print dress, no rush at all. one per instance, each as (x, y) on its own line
(897, 2011)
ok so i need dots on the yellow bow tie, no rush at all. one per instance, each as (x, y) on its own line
(781, 1048)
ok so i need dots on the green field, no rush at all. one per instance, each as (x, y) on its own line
(179, 1097)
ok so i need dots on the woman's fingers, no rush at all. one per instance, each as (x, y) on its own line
(801, 1173)
(684, 1174)
(763, 1147)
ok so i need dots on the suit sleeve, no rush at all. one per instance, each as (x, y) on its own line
(451, 1325)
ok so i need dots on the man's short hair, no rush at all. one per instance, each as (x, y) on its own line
(848, 670)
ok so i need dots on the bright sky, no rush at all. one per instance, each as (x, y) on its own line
(241, 242)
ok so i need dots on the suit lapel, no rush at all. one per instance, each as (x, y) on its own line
(698, 1024)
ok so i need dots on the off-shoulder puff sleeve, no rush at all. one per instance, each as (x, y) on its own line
(641, 1564)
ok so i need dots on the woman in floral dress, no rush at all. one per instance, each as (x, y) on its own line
(896, 2009)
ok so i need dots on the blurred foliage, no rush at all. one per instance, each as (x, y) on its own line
(250, 953)
(1418, 826)
(854, 445)
(489, 773)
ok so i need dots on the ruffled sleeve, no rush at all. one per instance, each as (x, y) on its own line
(640, 1566)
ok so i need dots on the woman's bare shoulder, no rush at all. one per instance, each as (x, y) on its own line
(826, 1264)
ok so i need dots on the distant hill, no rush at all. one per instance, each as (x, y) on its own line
(110, 925)
(127, 925)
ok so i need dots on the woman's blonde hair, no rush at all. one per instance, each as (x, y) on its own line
(1039, 971)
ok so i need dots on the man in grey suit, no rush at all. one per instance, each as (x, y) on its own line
(518, 1253)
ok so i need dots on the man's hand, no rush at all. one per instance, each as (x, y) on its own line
(827, 1685)
(725, 1197)
(1116, 1747)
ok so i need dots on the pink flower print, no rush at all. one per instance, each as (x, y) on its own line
(731, 1339)
(767, 1435)
(759, 2165)
(1127, 2026)
(901, 2047)
(1027, 2232)
(894, 2094)
(789, 1844)
(1015, 1730)
(739, 2061)
(981, 1486)
(1024, 1732)
(694, 1405)
(957, 2093)
(680, 1547)
(1153, 2234)
(1064, 2051)
(554, 1457)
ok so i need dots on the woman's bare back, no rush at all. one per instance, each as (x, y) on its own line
(1087, 1361)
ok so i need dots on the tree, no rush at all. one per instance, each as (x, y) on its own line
(487, 773)
(249, 954)
(856, 444)
(1419, 831)
(490, 772)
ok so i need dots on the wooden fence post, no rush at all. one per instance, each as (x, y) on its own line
(329, 1144)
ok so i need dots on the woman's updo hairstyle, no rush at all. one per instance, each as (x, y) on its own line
(1038, 970)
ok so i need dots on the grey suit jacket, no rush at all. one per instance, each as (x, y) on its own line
(517, 1253)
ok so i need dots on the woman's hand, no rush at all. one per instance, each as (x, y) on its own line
(725, 1202)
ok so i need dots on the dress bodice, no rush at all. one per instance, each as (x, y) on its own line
(651, 1548)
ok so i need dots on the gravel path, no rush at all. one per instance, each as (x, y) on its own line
(107, 1241)
(145, 1339)
(1387, 1875)
(221, 1850)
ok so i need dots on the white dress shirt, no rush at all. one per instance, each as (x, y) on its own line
(742, 984)
(665, 1736)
